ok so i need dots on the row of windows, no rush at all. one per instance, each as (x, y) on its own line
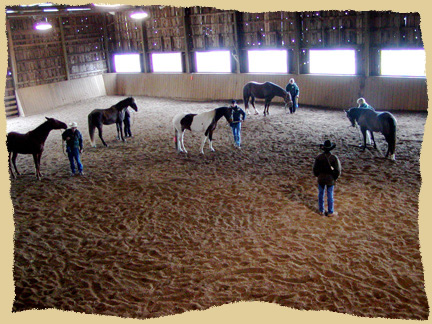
(336, 62)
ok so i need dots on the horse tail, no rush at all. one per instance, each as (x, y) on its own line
(392, 135)
(246, 95)
(91, 129)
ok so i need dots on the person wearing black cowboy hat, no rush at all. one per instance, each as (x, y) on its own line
(327, 168)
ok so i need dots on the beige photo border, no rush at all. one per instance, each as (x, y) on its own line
(242, 312)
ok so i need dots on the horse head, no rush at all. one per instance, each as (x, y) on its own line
(132, 104)
(228, 114)
(351, 117)
(288, 100)
(55, 124)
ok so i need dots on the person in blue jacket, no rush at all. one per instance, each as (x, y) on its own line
(238, 116)
(126, 122)
(74, 147)
(294, 90)
(363, 104)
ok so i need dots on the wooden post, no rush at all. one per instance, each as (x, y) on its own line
(106, 44)
(296, 62)
(237, 56)
(63, 44)
(366, 48)
(144, 42)
(186, 33)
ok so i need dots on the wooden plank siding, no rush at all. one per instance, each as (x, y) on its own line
(339, 92)
(46, 97)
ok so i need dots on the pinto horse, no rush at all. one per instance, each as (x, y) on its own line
(31, 143)
(114, 114)
(205, 122)
(383, 122)
(266, 91)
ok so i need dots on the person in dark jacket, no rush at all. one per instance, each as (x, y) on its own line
(327, 168)
(294, 90)
(238, 116)
(363, 104)
(126, 122)
(74, 147)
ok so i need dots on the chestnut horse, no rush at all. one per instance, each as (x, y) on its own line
(31, 143)
(266, 91)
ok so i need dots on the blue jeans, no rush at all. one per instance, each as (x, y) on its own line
(330, 198)
(236, 129)
(74, 155)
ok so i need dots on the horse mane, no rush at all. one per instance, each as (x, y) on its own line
(123, 103)
(219, 112)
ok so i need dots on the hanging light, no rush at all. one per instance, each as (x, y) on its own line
(42, 25)
(139, 14)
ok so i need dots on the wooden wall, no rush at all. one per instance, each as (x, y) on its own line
(339, 92)
(46, 97)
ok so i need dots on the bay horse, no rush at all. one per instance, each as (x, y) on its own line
(114, 114)
(266, 91)
(205, 122)
(383, 122)
(31, 143)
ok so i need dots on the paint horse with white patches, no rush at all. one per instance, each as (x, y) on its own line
(205, 122)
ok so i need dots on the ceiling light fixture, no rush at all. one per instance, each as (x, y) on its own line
(43, 25)
(140, 14)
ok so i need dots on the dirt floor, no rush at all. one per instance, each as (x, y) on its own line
(148, 232)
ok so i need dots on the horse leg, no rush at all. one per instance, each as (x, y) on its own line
(39, 156)
(253, 105)
(202, 145)
(363, 130)
(373, 139)
(10, 166)
(210, 137)
(36, 161)
(120, 131)
(100, 135)
(14, 156)
(182, 147)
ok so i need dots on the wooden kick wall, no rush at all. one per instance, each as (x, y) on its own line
(338, 92)
(46, 97)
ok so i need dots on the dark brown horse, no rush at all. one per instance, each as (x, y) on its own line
(383, 122)
(114, 114)
(266, 91)
(31, 143)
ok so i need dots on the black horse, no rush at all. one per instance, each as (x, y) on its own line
(383, 122)
(31, 143)
(114, 114)
(266, 91)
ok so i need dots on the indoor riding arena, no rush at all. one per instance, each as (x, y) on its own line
(149, 231)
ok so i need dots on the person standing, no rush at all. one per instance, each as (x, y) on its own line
(238, 116)
(126, 122)
(327, 169)
(74, 147)
(294, 90)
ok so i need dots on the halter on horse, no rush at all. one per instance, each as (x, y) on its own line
(267, 91)
(31, 143)
(205, 122)
(383, 122)
(115, 114)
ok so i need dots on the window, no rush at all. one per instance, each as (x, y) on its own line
(403, 62)
(127, 63)
(332, 61)
(268, 61)
(213, 61)
(167, 62)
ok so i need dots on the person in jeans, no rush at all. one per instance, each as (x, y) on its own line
(294, 90)
(327, 168)
(126, 122)
(74, 147)
(363, 104)
(238, 116)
